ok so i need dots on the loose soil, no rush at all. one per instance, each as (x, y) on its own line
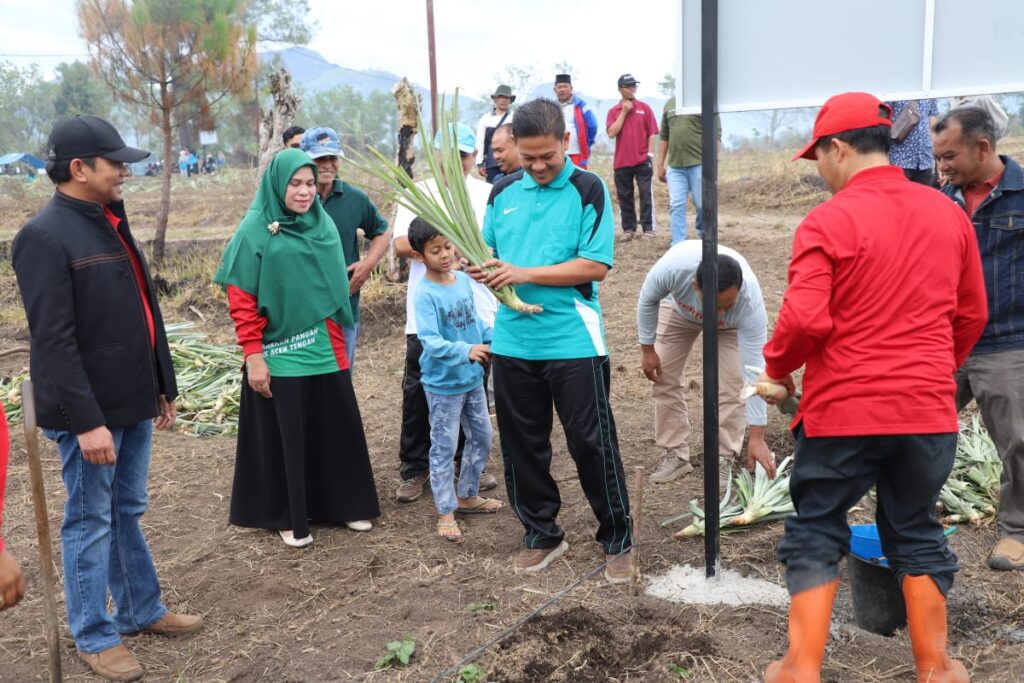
(326, 613)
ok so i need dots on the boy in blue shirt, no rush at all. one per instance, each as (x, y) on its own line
(456, 346)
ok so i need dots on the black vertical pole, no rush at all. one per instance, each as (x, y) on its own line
(709, 182)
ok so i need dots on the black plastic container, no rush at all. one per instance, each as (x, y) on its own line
(877, 598)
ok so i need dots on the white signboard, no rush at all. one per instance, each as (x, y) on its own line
(207, 137)
(775, 54)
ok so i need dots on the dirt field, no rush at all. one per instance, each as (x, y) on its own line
(326, 613)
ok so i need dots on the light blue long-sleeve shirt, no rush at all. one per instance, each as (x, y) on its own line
(448, 326)
(672, 277)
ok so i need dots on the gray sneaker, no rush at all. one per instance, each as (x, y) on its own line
(670, 468)
(411, 489)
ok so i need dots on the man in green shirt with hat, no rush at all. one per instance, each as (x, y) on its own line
(351, 209)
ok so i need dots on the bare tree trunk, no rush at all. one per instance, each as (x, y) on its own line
(165, 190)
(408, 122)
(277, 119)
(409, 102)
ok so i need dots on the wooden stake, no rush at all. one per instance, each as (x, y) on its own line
(35, 475)
(636, 514)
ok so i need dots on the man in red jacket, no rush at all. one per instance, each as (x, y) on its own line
(886, 299)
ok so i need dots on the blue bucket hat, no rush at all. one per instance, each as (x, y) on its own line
(464, 136)
(321, 142)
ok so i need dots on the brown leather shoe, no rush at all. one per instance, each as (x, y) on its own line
(114, 664)
(411, 489)
(618, 568)
(488, 482)
(536, 559)
(175, 625)
(1007, 555)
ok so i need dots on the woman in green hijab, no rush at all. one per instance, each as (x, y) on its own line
(301, 448)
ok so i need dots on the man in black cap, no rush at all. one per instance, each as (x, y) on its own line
(103, 379)
(486, 164)
(579, 121)
(632, 125)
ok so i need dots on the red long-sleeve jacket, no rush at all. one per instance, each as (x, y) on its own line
(885, 301)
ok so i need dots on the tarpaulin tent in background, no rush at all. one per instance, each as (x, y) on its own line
(22, 157)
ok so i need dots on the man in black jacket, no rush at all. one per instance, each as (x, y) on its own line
(102, 373)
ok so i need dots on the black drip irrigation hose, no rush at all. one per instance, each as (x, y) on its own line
(452, 670)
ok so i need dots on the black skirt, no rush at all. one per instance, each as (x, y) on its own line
(302, 456)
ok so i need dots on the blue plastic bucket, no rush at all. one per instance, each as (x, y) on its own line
(865, 544)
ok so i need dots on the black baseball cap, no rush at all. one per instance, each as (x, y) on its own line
(81, 137)
(627, 79)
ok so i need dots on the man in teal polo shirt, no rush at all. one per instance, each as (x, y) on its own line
(350, 208)
(552, 233)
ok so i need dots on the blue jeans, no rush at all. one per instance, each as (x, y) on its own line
(446, 414)
(102, 543)
(351, 336)
(684, 182)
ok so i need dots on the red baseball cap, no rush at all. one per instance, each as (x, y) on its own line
(846, 111)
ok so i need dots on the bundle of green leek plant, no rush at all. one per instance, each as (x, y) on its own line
(10, 393)
(449, 209)
(972, 493)
(209, 382)
(759, 499)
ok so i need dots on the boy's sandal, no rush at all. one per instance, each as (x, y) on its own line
(449, 531)
(486, 506)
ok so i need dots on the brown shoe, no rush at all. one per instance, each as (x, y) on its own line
(175, 625)
(536, 559)
(626, 236)
(411, 488)
(618, 568)
(1007, 555)
(648, 235)
(114, 664)
(488, 482)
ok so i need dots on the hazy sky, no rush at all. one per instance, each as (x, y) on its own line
(476, 39)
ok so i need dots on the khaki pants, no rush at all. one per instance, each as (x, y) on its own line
(996, 382)
(675, 338)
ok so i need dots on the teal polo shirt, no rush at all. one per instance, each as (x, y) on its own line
(531, 225)
(351, 208)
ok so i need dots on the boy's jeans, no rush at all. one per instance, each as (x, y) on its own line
(102, 543)
(446, 413)
(683, 182)
(351, 337)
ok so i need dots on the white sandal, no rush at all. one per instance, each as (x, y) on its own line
(360, 525)
(289, 539)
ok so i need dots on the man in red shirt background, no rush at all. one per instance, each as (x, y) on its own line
(632, 125)
(885, 301)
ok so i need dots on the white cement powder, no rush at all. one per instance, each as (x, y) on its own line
(688, 585)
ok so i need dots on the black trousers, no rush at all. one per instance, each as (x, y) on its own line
(414, 442)
(831, 474)
(624, 178)
(524, 392)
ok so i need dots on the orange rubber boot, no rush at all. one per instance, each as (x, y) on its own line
(926, 617)
(810, 613)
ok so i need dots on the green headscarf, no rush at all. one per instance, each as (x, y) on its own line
(298, 275)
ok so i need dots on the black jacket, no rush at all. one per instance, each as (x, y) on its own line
(92, 362)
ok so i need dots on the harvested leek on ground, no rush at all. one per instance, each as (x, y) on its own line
(450, 211)
(971, 495)
(759, 498)
(209, 382)
(10, 391)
